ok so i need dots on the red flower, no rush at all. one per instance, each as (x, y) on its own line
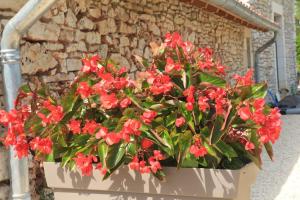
(4, 118)
(202, 103)
(259, 104)
(90, 65)
(125, 103)
(157, 155)
(180, 122)
(134, 164)
(198, 151)
(171, 65)
(148, 116)
(84, 163)
(74, 126)
(90, 127)
(112, 138)
(102, 170)
(132, 127)
(160, 84)
(146, 143)
(249, 146)
(245, 113)
(189, 106)
(84, 90)
(189, 93)
(244, 80)
(154, 164)
(109, 101)
(143, 168)
(10, 138)
(173, 40)
(21, 147)
(43, 145)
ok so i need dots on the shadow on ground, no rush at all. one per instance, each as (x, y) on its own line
(280, 180)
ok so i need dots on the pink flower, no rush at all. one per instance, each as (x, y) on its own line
(102, 132)
(134, 164)
(132, 127)
(202, 103)
(109, 101)
(102, 170)
(244, 113)
(180, 122)
(249, 146)
(148, 116)
(154, 164)
(125, 103)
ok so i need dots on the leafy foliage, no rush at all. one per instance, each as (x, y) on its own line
(179, 112)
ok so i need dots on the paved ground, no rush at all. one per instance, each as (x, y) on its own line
(280, 180)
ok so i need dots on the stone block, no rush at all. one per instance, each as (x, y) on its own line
(43, 32)
(74, 64)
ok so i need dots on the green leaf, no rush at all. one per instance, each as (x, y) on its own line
(102, 152)
(259, 90)
(168, 141)
(68, 101)
(171, 118)
(214, 80)
(186, 114)
(25, 88)
(189, 161)
(188, 75)
(211, 151)
(50, 157)
(185, 140)
(269, 149)
(216, 133)
(226, 150)
(115, 155)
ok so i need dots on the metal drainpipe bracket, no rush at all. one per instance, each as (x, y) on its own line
(10, 56)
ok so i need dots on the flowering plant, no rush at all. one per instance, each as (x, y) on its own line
(179, 111)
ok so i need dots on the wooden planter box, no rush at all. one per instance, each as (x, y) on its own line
(125, 184)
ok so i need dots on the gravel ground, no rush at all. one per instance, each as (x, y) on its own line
(280, 180)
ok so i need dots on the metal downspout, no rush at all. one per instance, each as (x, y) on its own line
(10, 59)
(259, 51)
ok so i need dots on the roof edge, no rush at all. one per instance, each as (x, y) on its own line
(236, 11)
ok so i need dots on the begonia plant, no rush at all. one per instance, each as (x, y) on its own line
(179, 111)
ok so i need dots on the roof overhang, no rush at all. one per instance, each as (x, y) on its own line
(236, 11)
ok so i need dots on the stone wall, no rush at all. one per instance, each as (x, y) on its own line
(267, 60)
(290, 42)
(267, 70)
(116, 29)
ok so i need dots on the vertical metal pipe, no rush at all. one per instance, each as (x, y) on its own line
(11, 72)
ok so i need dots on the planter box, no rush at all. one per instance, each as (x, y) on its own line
(183, 184)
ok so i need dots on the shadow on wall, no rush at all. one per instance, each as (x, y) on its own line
(276, 180)
(126, 184)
